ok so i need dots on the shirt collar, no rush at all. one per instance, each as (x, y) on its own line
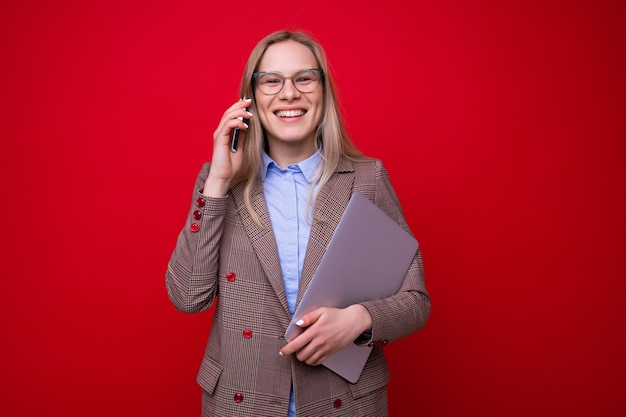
(308, 167)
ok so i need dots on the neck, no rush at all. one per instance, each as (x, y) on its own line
(285, 154)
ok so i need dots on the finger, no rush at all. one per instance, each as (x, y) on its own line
(315, 359)
(310, 318)
(312, 354)
(305, 338)
(224, 134)
(295, 345)
(238, 105)
(309, 356)
(238, 109)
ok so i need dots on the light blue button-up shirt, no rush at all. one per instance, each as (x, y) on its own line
(287, 195)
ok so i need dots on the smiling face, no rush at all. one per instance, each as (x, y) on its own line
(290, 118)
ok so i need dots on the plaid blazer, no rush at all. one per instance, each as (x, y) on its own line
(223, 256)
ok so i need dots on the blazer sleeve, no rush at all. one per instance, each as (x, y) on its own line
(407, 311)
(192, 272)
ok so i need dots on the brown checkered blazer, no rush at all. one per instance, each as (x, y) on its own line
(223, 255)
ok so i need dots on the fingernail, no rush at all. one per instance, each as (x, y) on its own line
(300, 322)
(247, 99)
(280, 353)
(250, 114)
(246, 125)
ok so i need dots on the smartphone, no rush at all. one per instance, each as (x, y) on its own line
(235, 141)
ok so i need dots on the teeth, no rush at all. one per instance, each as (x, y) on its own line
(290, 113)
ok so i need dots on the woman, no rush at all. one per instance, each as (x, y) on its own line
(259, 222)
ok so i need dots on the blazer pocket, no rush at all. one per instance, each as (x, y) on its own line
(209, 374)
(374, 377)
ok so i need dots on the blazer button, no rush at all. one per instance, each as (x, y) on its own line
(238, 397)
(194, 227)
(337, 403)
(247, 334)
(231, 276)
(200, 202)
(197, 214)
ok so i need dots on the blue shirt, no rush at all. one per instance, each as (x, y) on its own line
(287, 195)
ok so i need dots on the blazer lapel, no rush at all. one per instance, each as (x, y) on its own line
(330, 204)
(262, 238)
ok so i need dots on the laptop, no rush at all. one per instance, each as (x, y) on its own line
(367, 259)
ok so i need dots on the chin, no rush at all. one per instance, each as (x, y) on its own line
(295, 137)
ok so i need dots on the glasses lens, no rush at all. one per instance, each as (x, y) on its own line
(270, 83)
(306, 81)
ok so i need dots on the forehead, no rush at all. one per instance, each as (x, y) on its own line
(287, 57)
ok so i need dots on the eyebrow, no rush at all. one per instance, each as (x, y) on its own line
(295, 72)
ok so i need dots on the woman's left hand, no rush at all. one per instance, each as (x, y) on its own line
(328, 330)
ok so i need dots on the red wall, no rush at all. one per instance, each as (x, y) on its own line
(501, 123)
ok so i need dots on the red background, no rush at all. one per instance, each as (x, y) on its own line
(502, 126)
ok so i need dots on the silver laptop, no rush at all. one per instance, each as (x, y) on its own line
(366, 259)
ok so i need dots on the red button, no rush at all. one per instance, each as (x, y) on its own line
(200, 202)
(337, 403)
(247, 333)
(238, 397)
(194, 227)
(231, 276)
(197, 214)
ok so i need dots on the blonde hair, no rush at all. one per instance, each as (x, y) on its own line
(330, 132)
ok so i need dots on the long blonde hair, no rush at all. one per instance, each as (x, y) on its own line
(330, 132)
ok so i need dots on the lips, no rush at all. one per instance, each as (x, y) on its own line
(290, 113)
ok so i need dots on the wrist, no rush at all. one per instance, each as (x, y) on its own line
(216, 188)
(364, 318)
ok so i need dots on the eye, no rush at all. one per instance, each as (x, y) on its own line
(270, 79)
(306, 77)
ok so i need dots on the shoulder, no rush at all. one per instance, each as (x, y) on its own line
(366, 167)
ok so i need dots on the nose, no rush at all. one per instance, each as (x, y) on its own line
(289, 90)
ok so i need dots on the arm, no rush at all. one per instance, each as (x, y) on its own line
(191, 276)
(407, 311)
(329, 330)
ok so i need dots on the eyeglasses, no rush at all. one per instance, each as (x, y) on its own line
(305, 81)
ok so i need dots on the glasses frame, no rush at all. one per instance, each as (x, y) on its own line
(255, 75)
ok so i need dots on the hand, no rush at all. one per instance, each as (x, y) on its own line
(225, 164)
(328, 330)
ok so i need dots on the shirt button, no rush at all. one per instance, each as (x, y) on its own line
(194, 227)
(200, 202)
(238, 397)
(337, 403)
(247, 334)
(231, 276)
(197, 214)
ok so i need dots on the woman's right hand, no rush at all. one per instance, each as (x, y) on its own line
(225, 164)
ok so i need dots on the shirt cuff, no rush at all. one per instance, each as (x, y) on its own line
(364, 339)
